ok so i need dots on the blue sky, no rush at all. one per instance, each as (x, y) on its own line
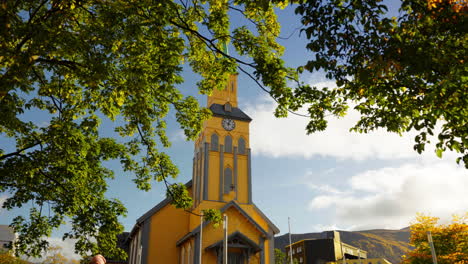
(330, 180)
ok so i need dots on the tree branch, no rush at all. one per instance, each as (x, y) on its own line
(209, 42)
(70, 64)
(18, 152)
(268, 92)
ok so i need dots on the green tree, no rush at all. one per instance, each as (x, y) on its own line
(280, 256)
(450, 241)
(78, 62)
(400, 73)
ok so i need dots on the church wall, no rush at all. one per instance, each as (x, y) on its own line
(213, 180)
(258, 218)
(195, 219)
(229, 93)
(214, 124)
(236, 222)
(249, 208)
(269, 250)
(167, 226)
(242, 181)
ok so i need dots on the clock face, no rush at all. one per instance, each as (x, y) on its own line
(228, 124)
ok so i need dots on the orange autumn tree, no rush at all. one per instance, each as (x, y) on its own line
(456, 5)
(450, 241)
(7, 258)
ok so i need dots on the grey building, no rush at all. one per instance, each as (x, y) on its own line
(7, 236)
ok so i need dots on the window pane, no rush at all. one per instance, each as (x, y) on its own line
(228, 144)
(214, 142)
(227, 180)
(241, 145)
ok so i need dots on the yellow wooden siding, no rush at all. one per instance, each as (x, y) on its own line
(242, 179)
(167, 226)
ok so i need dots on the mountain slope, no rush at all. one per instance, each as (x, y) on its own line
(379, 243)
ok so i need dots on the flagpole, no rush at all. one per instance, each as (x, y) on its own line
(290, 244)
(342, 252)
(201, 240)
(431, 243)
(225, 242)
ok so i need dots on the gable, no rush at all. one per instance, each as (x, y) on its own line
(235, 206)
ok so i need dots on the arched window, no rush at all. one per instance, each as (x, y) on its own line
(241, 145)
(227, 107)
(227, 180)
(228, 144)
(214, 142)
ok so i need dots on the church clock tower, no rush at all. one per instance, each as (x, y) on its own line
(221, 169)
(221, 180)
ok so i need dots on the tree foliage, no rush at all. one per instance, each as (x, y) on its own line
(280, 256)
(75, 63)
(9, 258)
(450, 241)
(400, 73)
(55, 256)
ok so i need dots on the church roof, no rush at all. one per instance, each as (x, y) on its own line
(272, 226)
(159, 206)
(234, 204)
(236, 113)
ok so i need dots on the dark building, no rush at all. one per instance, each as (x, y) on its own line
(323, 250)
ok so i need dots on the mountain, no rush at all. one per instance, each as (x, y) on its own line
(379, 243)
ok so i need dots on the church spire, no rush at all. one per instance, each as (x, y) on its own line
(229, 94)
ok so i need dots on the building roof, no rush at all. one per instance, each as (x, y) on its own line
(152, 211)
(159, 206)
(236, 113)
(272, 226)
(7, 234)
(322, 239)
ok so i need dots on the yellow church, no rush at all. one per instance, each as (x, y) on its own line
(221, 179)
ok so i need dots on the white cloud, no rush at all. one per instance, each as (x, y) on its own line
(390, 197)
(67, 249)
(325, 188)
(321, 228)
(177, 135)
(281, 137)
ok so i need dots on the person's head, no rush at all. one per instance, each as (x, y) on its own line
(98, 259)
